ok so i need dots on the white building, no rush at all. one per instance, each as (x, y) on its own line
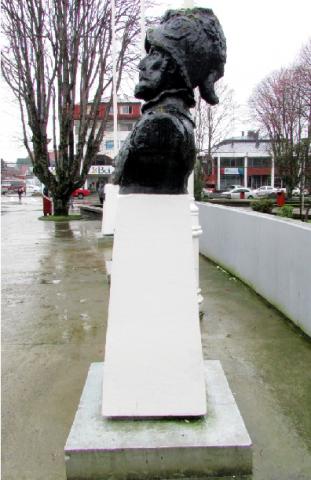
(245, 160)
(129, 111)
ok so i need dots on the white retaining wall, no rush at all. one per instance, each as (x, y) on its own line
(270, 254)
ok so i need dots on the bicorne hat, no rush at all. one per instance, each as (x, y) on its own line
(195, 40)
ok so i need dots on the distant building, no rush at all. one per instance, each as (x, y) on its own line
(129, 111)
(244, 160)
(22, 169)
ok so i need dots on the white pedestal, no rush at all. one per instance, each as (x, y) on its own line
(153, 363)
(215, 445)
(196, 232)
(110, 209)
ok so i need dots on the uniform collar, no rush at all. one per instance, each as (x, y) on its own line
(177, 100)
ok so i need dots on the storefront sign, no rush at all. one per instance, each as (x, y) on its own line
(101, 170)
(233, 171)
(94, 170)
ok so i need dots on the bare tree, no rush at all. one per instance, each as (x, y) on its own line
(213, 124)
(303, 68)
(58, 53)
(303, 82)
(3, 168)
(279, 104)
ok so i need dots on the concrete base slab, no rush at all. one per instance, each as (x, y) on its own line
(215, 445)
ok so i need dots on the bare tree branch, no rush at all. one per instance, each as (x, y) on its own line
(213, 124)
(57, 54)
(281, 104)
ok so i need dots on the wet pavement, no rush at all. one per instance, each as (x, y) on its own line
(54, 314)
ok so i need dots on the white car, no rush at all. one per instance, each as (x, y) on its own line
(31, 189)
(236, 193)
(231, 187)
(297, 190)
(266, 191)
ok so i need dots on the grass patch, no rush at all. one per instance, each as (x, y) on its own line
(60, 218)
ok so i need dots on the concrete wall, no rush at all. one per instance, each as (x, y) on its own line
(270, 254)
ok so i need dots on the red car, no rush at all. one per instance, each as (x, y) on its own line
(81, 192)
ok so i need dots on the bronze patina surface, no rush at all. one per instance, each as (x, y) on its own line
(186, 50)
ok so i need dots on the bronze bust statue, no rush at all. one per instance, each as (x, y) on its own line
(186, 50)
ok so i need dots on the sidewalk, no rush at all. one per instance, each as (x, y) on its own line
(54, 314)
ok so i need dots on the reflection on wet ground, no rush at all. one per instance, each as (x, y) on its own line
(265, 358)
(54, 313)
(54, 318)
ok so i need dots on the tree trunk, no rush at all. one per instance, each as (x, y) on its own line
(307, 213)
(60, 205)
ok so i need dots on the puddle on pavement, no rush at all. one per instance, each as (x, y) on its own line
(266, 361)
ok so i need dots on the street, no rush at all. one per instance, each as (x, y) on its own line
(54, 313)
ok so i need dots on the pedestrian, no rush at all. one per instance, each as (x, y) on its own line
(47, 202)
(20, 192)
(101, 192)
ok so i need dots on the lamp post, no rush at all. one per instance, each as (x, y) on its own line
(142, 27)
(194, 212)
(111, 191)
(114, 78)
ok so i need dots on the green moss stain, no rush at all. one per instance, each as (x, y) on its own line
(60, 218)
(233, 275)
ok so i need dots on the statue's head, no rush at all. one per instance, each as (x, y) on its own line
(187, 50)
(157, 72)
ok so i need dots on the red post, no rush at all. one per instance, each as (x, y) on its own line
(47, 206)
(242, 195)
(280, 199)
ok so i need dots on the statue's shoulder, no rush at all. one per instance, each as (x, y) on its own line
(157, 126)
(158, 115)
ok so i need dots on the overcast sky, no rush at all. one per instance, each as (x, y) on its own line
(262, 36)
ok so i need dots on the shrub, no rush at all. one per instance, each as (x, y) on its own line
(265, 205)
(285, 211)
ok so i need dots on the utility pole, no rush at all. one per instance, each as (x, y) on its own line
(114, 79)
(142, 27)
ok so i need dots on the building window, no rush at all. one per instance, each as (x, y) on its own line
(232, 162)
(109, 144)
(126, 127)
(239, 162)
(126, 109)
(259, 162)
(226, 162)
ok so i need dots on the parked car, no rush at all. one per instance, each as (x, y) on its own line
(231, 187)
(297, 190)
(266, 191)
(5, 187)
(236, 193)
(14, 185)
(81, 192)
(208, 192)
(31, 189)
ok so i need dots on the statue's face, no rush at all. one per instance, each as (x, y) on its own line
(154, 76)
